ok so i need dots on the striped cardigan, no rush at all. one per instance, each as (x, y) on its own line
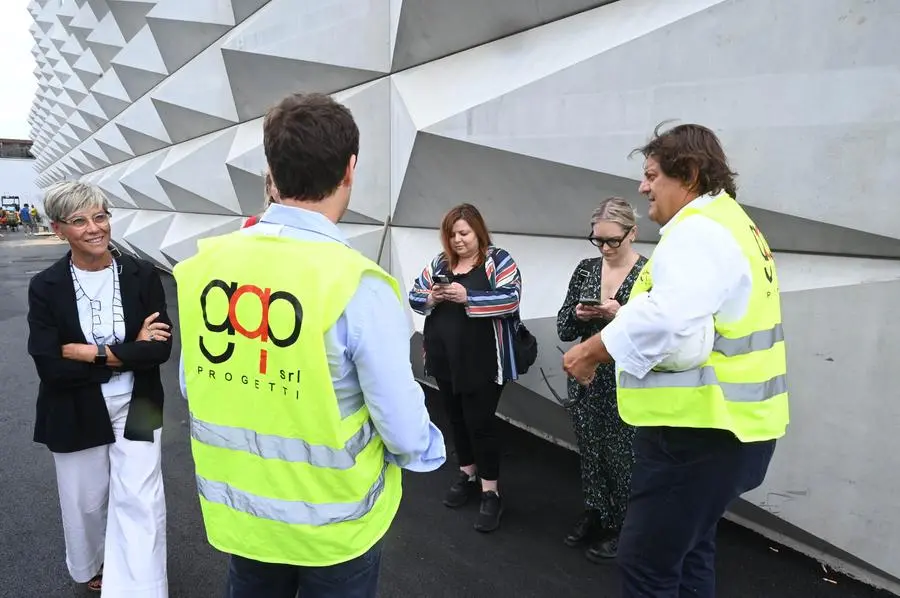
(500, 303)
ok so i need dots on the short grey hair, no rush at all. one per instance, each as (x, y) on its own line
(615, 209)
(64, 199)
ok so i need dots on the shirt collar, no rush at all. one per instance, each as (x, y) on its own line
(303, 219)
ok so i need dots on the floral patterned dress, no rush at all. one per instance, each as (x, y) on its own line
(604, 440)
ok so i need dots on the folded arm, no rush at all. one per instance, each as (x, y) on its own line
(139, 354)
(379, 346)
(46, 350)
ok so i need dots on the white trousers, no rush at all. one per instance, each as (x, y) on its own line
(114, 512)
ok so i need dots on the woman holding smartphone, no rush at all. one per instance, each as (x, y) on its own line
(599, 286)
(469, 295)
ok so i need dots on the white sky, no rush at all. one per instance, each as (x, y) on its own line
(17, 80)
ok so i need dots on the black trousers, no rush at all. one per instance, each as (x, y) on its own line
(682, 482)
(474, 426)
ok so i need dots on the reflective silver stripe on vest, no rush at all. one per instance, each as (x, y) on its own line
(757, 341)
(291, 512)
(744, 392)
(293, 450)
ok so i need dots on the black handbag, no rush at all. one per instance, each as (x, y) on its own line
(525, 346)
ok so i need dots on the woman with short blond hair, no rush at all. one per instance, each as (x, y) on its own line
(98, 332)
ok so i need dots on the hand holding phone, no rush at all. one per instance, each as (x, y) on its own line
(589, 308)
(439, 283)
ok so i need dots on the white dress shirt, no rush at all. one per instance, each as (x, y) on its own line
(102, 318)
(698, 270)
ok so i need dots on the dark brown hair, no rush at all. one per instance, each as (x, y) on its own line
(472, 216)
(693, 155)
(309, 140)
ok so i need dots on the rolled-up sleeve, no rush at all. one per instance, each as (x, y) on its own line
(379, 348)
(695, 269)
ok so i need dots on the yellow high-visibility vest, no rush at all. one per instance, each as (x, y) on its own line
(742, 387)
(282, 477)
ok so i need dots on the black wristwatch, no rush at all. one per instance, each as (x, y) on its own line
(100, 357)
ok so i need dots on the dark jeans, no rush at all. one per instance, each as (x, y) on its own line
(474, 425)
(681, 484)
(357, 578)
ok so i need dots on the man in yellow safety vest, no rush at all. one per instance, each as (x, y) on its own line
(297, 372)
(707, 432)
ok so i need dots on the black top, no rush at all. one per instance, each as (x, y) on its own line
(585, 282)
(71, 412)
(459, 349)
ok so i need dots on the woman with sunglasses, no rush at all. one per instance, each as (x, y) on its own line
(597, 289)
(98, 332)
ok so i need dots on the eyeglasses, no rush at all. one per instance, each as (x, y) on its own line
(613, 242)
(79, 222)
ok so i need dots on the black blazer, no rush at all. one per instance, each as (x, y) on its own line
(71, 412)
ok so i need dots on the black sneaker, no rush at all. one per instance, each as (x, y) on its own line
(585, 528)
(490, 512)
(461, 490)
(603, 551)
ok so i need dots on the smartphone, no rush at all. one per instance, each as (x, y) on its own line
(441, 279)
(590, 301)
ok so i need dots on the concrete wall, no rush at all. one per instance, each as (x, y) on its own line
(529, 109)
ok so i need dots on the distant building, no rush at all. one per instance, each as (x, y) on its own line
(15, 148)
(17, 174)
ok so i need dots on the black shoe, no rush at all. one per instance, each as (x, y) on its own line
(490, 512)
(603, 551)
(585, 528)
(461, 490)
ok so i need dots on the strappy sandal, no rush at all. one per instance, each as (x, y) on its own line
(96, 582)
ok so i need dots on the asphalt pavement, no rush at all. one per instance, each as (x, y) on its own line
(431, 551)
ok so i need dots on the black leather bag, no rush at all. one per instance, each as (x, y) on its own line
(525, 346)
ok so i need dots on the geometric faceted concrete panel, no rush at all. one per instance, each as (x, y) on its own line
(600, 82)
(530, 111)
(292, 46)
(833, 473)
(515, 192)
(429, 29)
